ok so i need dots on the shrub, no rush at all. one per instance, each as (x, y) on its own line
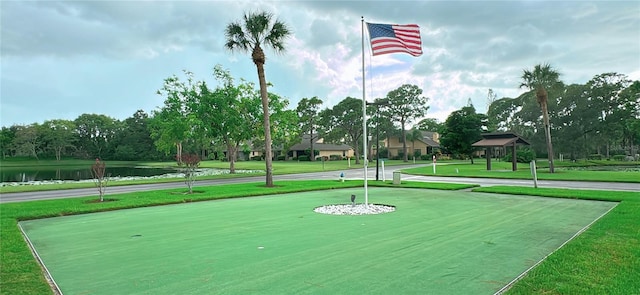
(619, 157)
(303, 158)
(256, 158)
(383, 152)
(335, 157)
(281, 158)
(523, 155)
(594, 157)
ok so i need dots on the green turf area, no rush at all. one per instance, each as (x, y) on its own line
(504, 170)
(436, 242)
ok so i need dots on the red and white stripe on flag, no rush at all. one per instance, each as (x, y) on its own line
(387, 38)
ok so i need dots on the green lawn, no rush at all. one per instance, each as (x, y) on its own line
(603, 260)
(279, 168)
(444, 168)
(436, 242)
(504, 170)
(20, 274)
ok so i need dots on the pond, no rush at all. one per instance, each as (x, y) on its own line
(28, 174)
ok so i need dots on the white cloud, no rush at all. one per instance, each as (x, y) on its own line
(71, 56)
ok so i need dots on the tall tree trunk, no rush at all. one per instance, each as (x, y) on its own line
(267, 123)
(357, 151)
(404, 143)
(311, 140)
(179, 152)
(388, 141)
(58, 153)
(547, 131)
(232, 153)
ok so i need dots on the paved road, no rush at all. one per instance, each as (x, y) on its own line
(350, 174)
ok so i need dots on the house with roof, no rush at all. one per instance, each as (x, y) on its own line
(321, 149)
(427, 144)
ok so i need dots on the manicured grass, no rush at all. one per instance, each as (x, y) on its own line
(435, 242)
(279, 168)
(603, 260)
(503, 170)
(20, 274)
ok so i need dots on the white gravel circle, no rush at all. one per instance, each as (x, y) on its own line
(357, 209)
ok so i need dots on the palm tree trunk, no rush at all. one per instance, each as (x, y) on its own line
(547, 131)
(267, 124)
(312, 157)
(404, 143)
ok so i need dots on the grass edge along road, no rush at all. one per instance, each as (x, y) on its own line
(444, 168)
(503, 170)
(279, 168)
(603, 260)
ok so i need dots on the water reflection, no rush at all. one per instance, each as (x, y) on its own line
(57, 173)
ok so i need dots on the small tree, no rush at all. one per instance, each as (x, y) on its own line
(189, 164)
(100, 178)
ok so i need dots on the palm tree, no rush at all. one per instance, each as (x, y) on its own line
(258, 29)
(540, 79)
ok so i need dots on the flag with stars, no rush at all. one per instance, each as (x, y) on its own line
(386, 38)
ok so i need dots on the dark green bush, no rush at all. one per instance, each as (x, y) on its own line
(281, 158)
(426, 157)
(619, 157)
(303, 158)
(594, 157)
(256, 158)
(523, 155)
(335, 157)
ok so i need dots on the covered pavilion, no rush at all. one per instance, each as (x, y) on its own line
(501, 139)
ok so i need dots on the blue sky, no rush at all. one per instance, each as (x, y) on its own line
(60, 59)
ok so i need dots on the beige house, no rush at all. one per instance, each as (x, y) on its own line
(321, 149)
(424, 146)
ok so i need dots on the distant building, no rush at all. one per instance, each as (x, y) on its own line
(321, 149)
(427, 144)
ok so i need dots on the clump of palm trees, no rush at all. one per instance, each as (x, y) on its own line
(249, 35)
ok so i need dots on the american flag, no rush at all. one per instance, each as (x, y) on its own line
(386, 38)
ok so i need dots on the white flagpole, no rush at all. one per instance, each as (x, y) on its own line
(364, 124)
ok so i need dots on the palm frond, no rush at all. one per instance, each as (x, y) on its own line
(255, 29)
(542, 76)
(236, 38)
(278, 34)
(257, 25)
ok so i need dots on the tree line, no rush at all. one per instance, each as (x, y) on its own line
(214, 123)
(596, 120)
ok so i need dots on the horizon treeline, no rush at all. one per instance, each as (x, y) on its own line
(600, 117)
